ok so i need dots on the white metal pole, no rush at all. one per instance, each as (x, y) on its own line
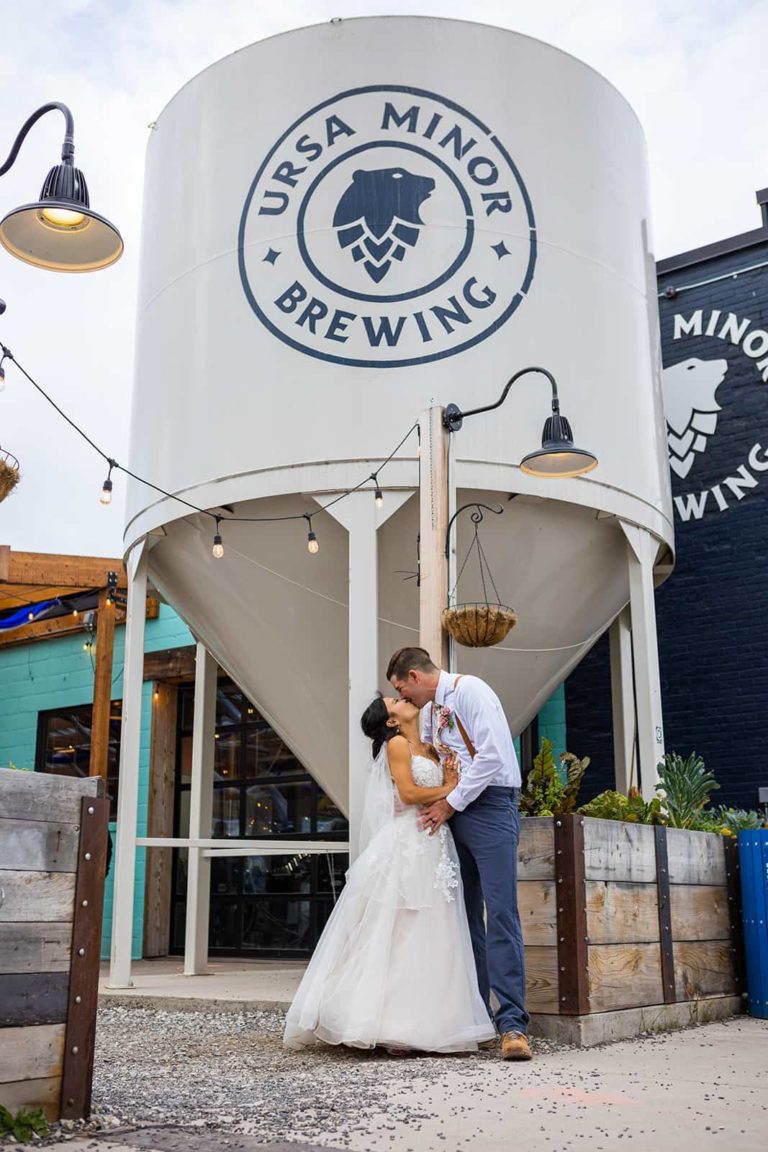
(641, 556)
(452, 564)
(128, 792)
(200, 811)
(623, 703)
(433, 522)
(361, 518)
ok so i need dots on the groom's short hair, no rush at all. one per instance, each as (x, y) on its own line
(406, 659)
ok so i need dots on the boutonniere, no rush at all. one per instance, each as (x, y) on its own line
(445, 718)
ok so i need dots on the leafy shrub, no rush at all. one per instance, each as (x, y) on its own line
(548, 790)
(686, 785)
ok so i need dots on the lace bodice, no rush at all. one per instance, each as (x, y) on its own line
(426, 773)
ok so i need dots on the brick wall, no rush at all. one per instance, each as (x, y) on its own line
(712, 611)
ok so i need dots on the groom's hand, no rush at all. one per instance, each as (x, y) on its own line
(433, 816)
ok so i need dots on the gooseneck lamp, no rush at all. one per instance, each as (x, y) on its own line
(558, 456)
(60, 231)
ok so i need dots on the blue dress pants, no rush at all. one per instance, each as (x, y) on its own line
(487, 834)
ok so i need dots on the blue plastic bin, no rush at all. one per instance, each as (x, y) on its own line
(753, 866)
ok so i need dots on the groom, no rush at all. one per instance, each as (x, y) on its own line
(465, 715)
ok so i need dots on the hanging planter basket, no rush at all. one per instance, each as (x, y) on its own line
(9, 473)
(478, 625)
(483, 623)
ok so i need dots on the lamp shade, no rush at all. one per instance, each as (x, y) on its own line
(61, 231)
(557, 455)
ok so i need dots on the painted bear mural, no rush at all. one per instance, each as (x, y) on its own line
(691, 408)
(378, 216)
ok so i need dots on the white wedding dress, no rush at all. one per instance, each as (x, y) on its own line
(394, 965)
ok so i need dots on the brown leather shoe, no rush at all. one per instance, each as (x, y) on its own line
(515, 1046)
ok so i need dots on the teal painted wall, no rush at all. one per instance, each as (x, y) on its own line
(552, 722)
(58, 673)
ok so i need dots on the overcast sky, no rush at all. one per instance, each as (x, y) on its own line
(694, 70)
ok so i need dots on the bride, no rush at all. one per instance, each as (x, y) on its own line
(394, 965)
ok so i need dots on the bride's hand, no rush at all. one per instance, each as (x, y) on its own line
(451, 769)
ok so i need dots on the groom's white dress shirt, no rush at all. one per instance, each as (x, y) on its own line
(479, 709)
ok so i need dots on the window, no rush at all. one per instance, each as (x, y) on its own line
(64, 745)
(260, 905)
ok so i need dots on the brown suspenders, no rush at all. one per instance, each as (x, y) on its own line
(470, 746)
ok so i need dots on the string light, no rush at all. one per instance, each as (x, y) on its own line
(2, 373)
(312, 544)
(106, 491)
(218, 545)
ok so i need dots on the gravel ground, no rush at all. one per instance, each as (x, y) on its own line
(229, 1071)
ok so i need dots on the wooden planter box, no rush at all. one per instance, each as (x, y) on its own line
(627, 927)
(53, 848)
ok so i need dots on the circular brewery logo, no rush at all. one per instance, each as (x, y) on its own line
(386, 227)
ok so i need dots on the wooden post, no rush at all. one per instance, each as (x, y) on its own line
(80, 1035)
(433, 566)
(570, 893)
(162, 771)
(665, 915)
(102, 684)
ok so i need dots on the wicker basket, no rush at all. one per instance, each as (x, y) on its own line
(9, 474)
(478, 625)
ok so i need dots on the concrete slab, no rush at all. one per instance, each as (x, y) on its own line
(230, 985)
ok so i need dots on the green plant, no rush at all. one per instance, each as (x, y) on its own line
(686, 785)
(574, 774)
(24, 1125)
(550, 791)
(737, 820)
(631, 809)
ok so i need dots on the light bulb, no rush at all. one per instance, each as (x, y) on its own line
(106, 493)
(379, 499)
(31, 615)
(74, 611)
(2, 378)
(312, 544)
(218, 547)
(62, 217)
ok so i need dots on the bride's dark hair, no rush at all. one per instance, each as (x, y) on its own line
(374, 724)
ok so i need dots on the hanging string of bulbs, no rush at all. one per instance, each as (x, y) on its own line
(105, 498)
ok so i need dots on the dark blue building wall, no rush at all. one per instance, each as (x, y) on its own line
(712, 612)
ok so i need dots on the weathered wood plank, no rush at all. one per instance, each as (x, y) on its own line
(704, 968)
(31, 1053)
(35, 947)
(162, 773)
(699, 912)
(622, 913)
(541, 980)
(40, 796)
(695, 857)
(37, 897)
(536, 852)
(624, 976)
(614, 850)
(31, 1094)
(33, 998)
(538, 912)
(35, 846)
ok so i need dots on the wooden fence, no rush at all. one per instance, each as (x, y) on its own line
(53, 842)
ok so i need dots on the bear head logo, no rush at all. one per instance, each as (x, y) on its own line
(377, 217)
(690, 408)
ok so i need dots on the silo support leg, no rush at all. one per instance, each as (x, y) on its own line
(623, 703)
(362, 519)
(642, 551)
(200, 812)
(124, 865)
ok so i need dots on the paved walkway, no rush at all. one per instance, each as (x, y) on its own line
(230, 984)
